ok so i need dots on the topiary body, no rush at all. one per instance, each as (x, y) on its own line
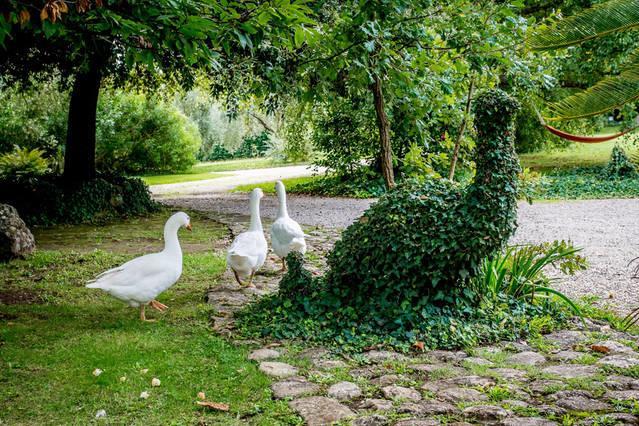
(420, 242)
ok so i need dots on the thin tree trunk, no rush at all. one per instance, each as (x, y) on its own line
(462, 129)
(386, 151)
(79, 155)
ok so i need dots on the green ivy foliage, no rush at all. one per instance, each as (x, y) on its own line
(401, 270)
(97, 200)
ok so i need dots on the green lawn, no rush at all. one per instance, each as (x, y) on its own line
(54, 333)
(577, 155)
(269, 187)
(211, 170)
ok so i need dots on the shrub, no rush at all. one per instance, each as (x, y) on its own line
(49, 200)
(620, 166)
(253, 146)
(137, 134)
(22, 162)
(217, 153)
(585, 183)
(519, 272)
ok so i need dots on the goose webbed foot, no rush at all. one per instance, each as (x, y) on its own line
(157, 305)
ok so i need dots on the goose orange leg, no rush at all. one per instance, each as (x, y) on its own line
(143, 316)
(157, 305)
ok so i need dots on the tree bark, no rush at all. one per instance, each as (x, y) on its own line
(79, 155)
(386, 151)
(462, 129)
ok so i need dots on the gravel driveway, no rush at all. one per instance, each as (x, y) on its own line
(608, 230)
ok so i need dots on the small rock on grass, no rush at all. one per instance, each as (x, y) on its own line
(400, 392)
(320, 411)
(527, 421)
(461, 394)
(485, 412)
(277, 369)
(344, 391)
(373, 420)
(100, 414)
(293, 387)
(571, 371)
(418, 422)
(478, 361)
(263, 354)
(526, 358)
(376, 404)
(619, 361)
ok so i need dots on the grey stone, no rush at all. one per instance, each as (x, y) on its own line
(461, 394)
(545, 387)
(620, 361)
(16, 240)
(388, 379)
(470, 381)
(328, 364)
(515, 403)
(376, 404)
(551, 410)
(623, 418)
(566, 339)
(478, 361)
(314, 353)
(432, 368)
(447, 356)
(365, 372)
(418, 422)
(432, 407)
(578, 401)
(511, 373)
(621, 383)
(485, 412)
(262, 354)
(527, 421)
(277, 369)
(437, 385)
(344, 391)
(571, 371)
(400, 392)
(526, 358)
(566, 355)
(320, 411)
(293, 387)
(381, 356)
(373, 420)
(623, 394)
(614, 347)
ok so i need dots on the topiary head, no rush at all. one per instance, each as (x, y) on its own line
(494, 111)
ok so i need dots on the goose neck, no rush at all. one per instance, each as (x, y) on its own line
(282, 210)
(256, 221)
(171, 242)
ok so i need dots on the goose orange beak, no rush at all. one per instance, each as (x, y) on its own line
(188, 226)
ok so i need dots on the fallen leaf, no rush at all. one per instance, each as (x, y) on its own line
(123, 379)
(214, 405)
(155, 382)
(144, 395)
(600, 348)
(144, 370)
(97, 372)
(419, 346)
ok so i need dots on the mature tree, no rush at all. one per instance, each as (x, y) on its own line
(89, 40)
(411, 61)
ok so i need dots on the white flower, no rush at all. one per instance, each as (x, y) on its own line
(155, 382)
(144, 395)
(100, 414)
(123, 379)
(97, 372)
(144, 370)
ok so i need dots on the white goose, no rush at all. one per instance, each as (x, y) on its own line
(248, 250)
(286, 234)
(139, 281)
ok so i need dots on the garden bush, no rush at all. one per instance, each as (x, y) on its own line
(22, 162)
(253, 146)
(620, 166)
(402, 270)
(49, 200)
(138, 134)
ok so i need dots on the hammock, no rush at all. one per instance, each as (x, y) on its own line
(582, 139)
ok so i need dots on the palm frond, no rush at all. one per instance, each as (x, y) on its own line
(597, 21)
(608, 94)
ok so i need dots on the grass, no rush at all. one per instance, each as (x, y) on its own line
(212, 170)
(54, 333)
(269, 187)
(577, 155)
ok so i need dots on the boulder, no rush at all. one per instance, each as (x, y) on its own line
(15, 238)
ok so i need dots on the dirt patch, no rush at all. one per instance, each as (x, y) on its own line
(15, 296)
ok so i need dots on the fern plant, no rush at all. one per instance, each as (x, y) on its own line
(593, 23)
(22, 162)
(518, 272)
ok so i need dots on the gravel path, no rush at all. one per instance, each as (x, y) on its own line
(608, 230)
(234, 178)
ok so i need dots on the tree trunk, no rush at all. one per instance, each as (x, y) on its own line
(462, 129)
(386, 151)
(79, 155)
